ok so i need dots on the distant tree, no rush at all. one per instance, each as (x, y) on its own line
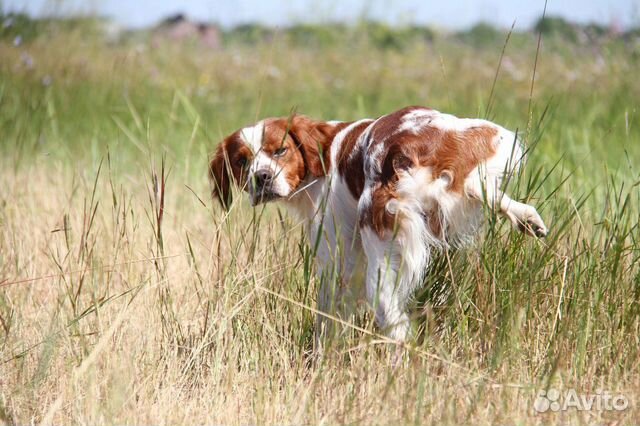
(632, 34)
(22, 28)
(378, 34)
(317, 34)
(18, 25)
(249, 34)
(420, 33)
(481, 34)
(384, 36)
(551, 26)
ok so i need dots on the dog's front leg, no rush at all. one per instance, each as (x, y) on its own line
(327, 296)
(331, 271)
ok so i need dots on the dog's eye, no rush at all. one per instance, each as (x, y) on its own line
(241, 162)
(280, 152)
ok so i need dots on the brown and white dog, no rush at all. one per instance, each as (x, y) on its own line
(393, 189)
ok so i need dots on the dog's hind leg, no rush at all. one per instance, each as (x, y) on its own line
(396, 262)
(388, 288)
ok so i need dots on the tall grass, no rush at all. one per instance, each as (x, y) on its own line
(127, 296)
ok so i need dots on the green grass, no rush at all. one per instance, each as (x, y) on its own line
(111, 312)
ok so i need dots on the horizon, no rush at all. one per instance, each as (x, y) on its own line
(455, 15)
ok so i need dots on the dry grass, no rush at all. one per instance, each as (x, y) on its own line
(123, 302)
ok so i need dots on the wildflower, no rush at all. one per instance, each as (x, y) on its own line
(27, 60)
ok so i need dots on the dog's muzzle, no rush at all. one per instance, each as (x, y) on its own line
(261, 187)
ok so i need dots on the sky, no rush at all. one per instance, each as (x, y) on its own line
(454, 14)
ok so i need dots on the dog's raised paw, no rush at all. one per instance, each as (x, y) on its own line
(534, 226)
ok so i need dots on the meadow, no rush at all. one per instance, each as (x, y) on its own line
(128, 296)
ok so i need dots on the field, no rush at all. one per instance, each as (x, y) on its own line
(128, 296)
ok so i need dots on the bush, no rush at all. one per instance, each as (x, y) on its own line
(249, 34)
(481, 34)
(15, 25)
(20, 25)
(557, 27)
(384, 36)
(317, 35)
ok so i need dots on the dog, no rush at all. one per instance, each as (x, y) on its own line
(393, 189)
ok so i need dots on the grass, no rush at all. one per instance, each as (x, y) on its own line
(127, 296)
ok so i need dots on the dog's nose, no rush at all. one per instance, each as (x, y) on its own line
(262, 178)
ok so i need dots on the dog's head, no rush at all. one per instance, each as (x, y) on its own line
(271, 159)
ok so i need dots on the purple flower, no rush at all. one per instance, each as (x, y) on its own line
(27, 60)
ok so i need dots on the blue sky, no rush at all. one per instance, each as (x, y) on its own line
(453, 14)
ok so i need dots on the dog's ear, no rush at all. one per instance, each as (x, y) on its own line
(313, 139)
(219, 176)
(228, 167)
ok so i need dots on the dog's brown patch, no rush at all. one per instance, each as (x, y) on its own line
(350, 160)
(391, 151)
